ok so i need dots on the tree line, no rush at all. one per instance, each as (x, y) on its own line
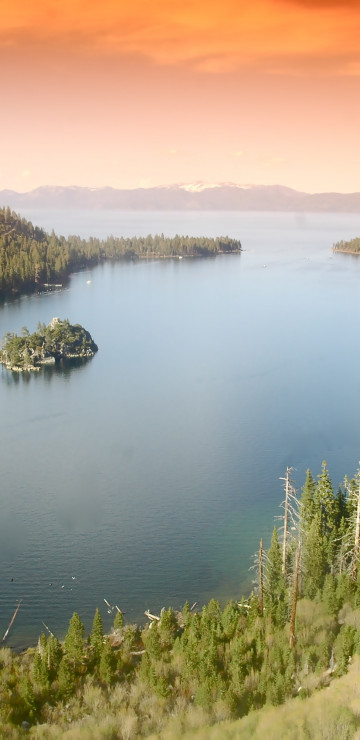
(31, 258)
(352, 246)
(297, 630)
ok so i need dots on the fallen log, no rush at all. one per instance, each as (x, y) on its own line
(152, 617)
(12, 621)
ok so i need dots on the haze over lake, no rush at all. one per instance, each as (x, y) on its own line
(148, 475)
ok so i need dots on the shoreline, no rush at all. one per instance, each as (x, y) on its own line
(44, 287)
(346, 251)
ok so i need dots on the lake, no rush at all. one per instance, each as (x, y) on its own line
(148, 475)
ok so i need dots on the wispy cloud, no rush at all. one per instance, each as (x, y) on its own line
(210, 37)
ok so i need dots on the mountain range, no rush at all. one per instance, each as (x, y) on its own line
(186, 197)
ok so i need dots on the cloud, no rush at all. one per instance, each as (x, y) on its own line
(273, 161)
(324, 4)
(25, 174)
(212, 38)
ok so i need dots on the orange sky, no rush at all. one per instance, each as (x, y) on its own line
(150, 93)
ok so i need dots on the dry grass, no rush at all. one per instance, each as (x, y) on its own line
(330, 714)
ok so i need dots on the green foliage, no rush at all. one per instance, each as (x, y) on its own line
(314, 558)
(66, 679)
(352, 246)
(118, 621)
(275, 588)
(30, 258)
(151, 638)
(343, 648)
(168, 628)
(107, 665)
(97, 636)
(58, 340)
(217, 663)
(74, 641)
(307, 502)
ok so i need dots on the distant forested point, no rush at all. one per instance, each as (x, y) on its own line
(59, 340)
(352, 246)
(30, 258)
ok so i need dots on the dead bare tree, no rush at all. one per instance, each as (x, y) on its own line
(350, 541)
(290, 518)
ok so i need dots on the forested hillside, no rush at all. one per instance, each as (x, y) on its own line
(30, 258)
(297, 631)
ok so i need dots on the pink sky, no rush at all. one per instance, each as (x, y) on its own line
(140, 94)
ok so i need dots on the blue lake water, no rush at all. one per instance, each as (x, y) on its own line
(148, 475)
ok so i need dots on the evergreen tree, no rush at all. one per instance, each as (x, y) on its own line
(325, 505)
(152, 641)
(329, 596)
(118, 621)
(275, 588)
(66, 679)
(306, 507)
(168, 628)
(26, 693)
(107, 663)
(314, 558)
(97, 636)
(74, 640)
(54, 655)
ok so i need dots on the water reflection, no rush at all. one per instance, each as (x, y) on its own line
(64, 368)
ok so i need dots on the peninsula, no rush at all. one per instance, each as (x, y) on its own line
(33, 260)
(351, 247)
(59, 340)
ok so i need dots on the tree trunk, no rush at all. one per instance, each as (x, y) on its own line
(286, 519)
(261, 579)
(357, 538)
(294, 601)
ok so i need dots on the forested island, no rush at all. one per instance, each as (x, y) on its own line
(30, 258)
(297, 633)
(352, 246)
(59, 340)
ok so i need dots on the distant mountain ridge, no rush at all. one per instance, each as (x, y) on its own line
(196, 196)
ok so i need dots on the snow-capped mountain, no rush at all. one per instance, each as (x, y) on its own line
(195, 196)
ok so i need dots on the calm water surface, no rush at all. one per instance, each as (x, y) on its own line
(148, 475)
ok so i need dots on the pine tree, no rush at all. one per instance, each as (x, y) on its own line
(275, 588)
(107, 663)
(118, 621)
(329, 597)
(314, 558)
(26, 692)
(325, 505)
(152, 642)
(74, 640)
(66, 679)
(97, 636)
(168, 628)
(54, 655)
(307, 503)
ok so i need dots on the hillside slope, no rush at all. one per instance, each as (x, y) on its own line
(332, 713)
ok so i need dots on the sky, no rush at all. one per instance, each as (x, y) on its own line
(140, 94)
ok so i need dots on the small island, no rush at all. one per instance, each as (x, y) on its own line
(49, 344)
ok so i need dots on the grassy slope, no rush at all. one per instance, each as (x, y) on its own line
(330, 714)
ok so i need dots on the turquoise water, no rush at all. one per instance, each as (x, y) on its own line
(148, 475)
